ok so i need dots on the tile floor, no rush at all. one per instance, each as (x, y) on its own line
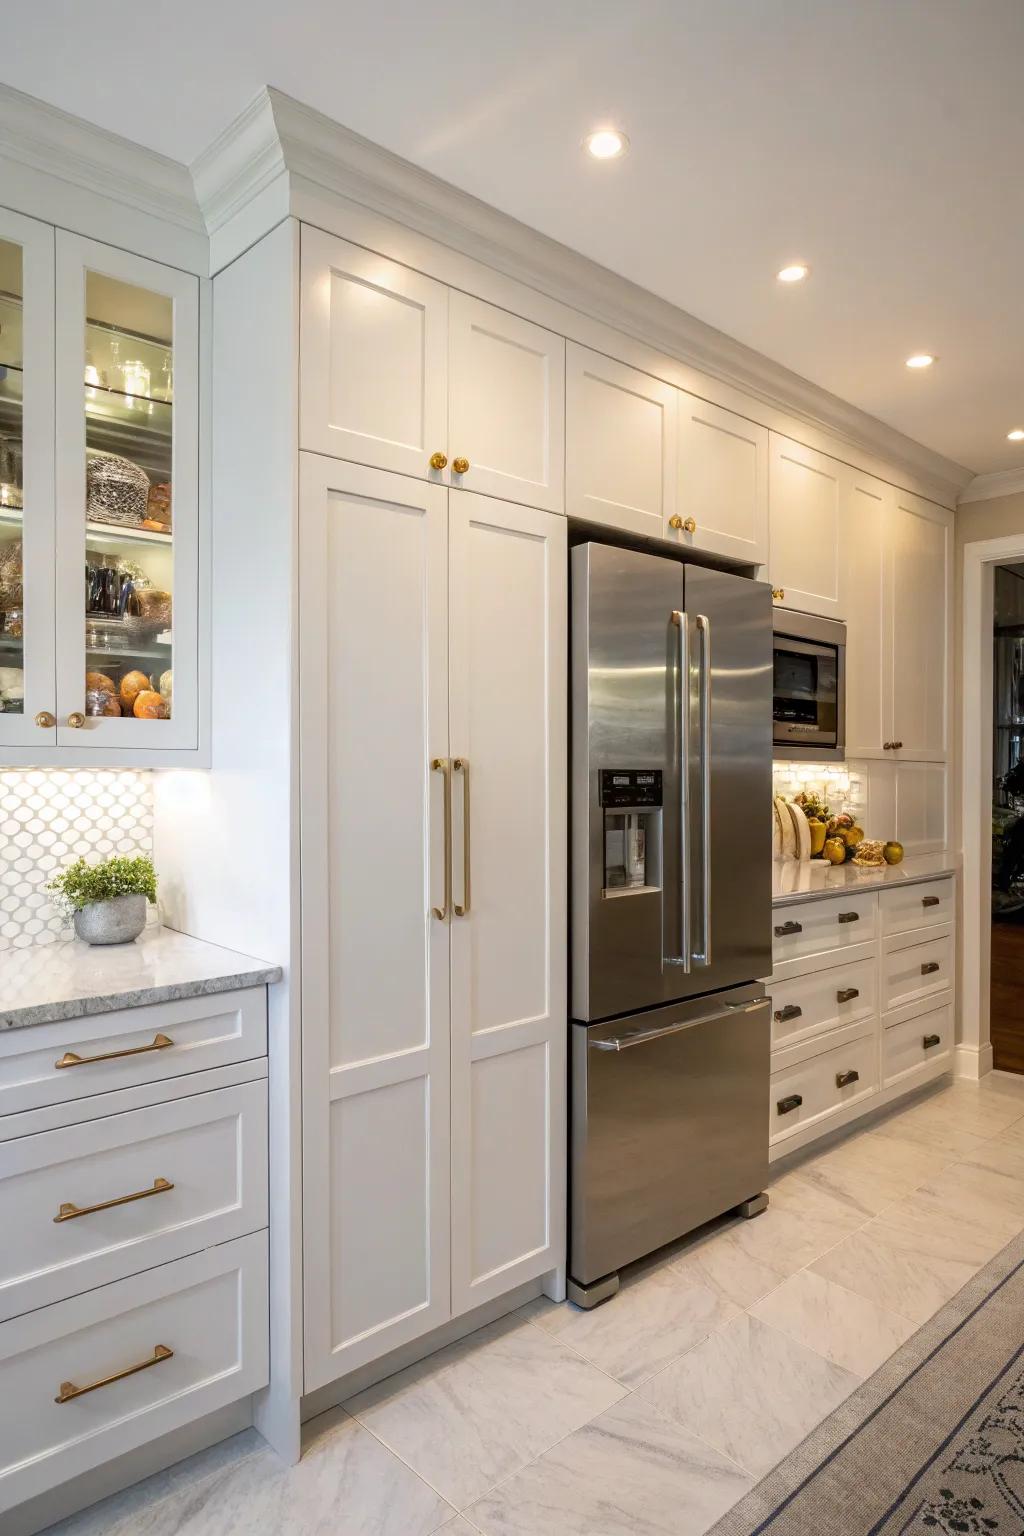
(655, 1413)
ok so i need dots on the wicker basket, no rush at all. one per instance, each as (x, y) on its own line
(117, 489)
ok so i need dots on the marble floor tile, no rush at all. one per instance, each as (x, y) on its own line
(882, 1264)
(965, 1108)
(656, 1316)
(988, 1198)
(718, 1259)
(473, 1413)
(751, 1392)
(865, 1174)
(941, 1139)
(1013, 1135)
(848, 1329)
(631, 1472)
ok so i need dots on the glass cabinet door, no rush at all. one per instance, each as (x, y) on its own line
(127, 484)
(27, 703)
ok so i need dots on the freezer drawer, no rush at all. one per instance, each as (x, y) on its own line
(668, 1125)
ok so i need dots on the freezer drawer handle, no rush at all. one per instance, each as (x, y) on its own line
(844, 1079)
(930, 1040)
(791, 1011)
(793, 1102)
(929, 967)
(849, 917)
(782, 929)
(930, 901)
(641, 1036)
(847, 994)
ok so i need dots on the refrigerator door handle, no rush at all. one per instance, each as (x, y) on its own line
(703, 955)
(681, 623)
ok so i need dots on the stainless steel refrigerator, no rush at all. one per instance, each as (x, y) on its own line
(670, 904)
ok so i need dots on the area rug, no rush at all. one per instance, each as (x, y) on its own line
(931, 1445)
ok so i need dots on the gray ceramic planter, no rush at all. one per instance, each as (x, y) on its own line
(116, 921)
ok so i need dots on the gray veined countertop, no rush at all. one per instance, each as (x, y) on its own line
(800, 880)
(69, 979)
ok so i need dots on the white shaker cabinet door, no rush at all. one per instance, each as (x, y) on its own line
(507, 405)
(620, 444)
(722, 482)
(867, 511)
(804, 507)
(375, 960)
(373, 384)
(918, 607)
(508, 936)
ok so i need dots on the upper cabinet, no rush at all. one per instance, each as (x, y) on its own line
(867, 507)
(804, 498)
(401, 373)
(917, 600)
(620, 438)
(722, 500)
(99, 517)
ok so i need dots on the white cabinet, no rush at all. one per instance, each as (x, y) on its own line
(620, 444)
(433, 834)
(867, 511)
(401, 373)
(804, 499)
(916, 678)
(722, 482)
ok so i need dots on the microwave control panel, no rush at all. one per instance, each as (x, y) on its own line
(630, 787)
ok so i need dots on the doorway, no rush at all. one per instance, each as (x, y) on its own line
(1006, 973)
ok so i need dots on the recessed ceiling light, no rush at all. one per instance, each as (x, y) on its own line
(1017, 435)
(793, 274)
(606, 143)
(920, 360)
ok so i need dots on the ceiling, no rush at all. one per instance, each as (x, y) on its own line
(879, 140)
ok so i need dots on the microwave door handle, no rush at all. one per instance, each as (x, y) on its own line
(703, 956)
(682, 701)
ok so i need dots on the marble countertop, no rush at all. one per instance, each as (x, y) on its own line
(795, 880)
(69, 979)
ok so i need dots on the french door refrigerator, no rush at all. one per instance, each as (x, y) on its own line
(671, 782)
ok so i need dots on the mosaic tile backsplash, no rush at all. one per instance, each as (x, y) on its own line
(49, 818)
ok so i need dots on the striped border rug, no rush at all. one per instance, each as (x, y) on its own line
(931, 1445)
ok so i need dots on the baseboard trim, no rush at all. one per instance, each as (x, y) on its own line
(973, 1061)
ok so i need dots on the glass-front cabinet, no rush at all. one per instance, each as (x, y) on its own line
(127, 500)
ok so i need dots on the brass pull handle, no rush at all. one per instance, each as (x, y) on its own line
(460, 466)
(847, 994)
(68, 1390)
(46, 720)
(929, 967)
(68, 1212)
(461, 765)
(778, 593)
(440, 765)
(792, 1102)
(72, 1058)
(844, 1079)
(790, 1011)
(76, 720)
(930, 1040)
(438, 460)
(930, 901)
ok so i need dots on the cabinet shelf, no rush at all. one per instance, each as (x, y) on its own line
(111, 533)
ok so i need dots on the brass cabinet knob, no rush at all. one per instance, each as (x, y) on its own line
(460, 466)
(689, 526)
(76, 720)
(438, 460)
(778, 593)
(46, 720)
(675, 521)
(682, 524)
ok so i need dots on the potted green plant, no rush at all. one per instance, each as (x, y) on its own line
(107, 901)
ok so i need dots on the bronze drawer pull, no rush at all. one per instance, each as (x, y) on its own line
(783, 929)
(930, 1040)
(68, 1211)
(929, 967)
(68, 1391)
(848, 917)
(72, 1058)
(844, 1079)
(847, 994)
(793, 1102)
(791, 1011)
(930, 901)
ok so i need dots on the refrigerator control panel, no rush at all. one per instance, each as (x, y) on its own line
(632, 787)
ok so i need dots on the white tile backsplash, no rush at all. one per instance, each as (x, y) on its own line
(48, 818)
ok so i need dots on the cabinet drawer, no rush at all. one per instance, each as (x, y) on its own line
(96, 1202)
(925, 1039)
(803, 1006)
(209, 1312)
(809, 1093)
(917, 970)
(917, 906)
(52, 1063)
(808, 928)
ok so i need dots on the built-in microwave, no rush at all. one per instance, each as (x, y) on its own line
(809, 689)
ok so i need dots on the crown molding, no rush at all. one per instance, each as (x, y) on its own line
(240, 164)
(1002, 482)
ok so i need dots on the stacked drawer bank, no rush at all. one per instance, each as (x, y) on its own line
(133, 1206)
(862, 1003)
